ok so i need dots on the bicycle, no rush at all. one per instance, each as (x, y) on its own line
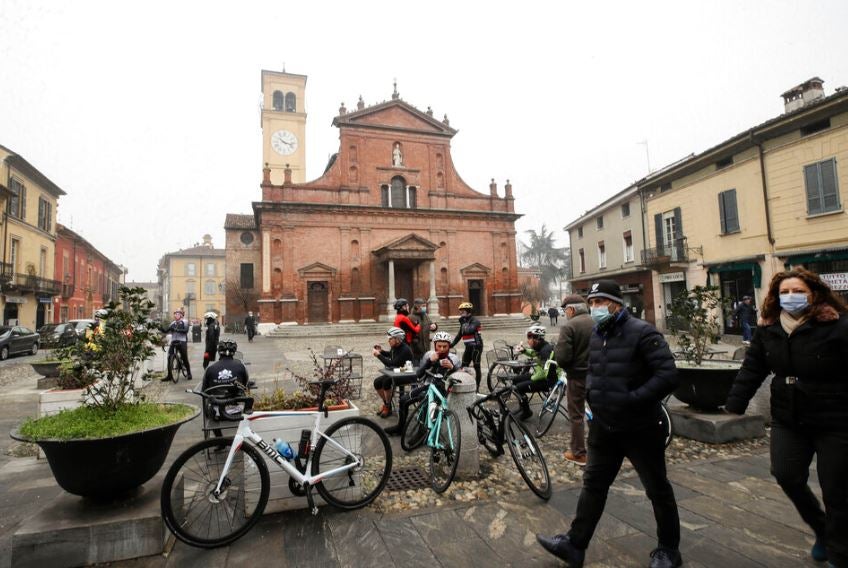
(217, 489)
(431, 421)
(552, 405)
(497, 427)
(175, 362)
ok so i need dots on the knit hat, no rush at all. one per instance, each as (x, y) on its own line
(606, 289)
(573, 299)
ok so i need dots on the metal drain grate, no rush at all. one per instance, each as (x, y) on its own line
(403, 478)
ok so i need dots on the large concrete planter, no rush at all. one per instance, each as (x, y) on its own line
(47, 369)
(288, 428)
(108, 467)
(705, 387)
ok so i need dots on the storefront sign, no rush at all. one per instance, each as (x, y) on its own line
(672, 277)
(15, 300)
(836, 280)
(45, 300)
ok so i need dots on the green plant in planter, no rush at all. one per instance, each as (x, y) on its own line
(306, 395)
(700, 308)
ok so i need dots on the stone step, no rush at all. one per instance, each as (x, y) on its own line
(344, 329)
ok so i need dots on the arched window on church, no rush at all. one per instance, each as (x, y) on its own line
(278, 100)
(291, 102)
(354, 248)
(398, 197)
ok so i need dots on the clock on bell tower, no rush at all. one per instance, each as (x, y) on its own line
(284, 124)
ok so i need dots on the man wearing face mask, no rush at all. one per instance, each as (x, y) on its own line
(631, 370)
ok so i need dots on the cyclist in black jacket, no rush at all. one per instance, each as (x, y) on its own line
(225, 372)
(397, 356)
(469, 334)
(213, 332)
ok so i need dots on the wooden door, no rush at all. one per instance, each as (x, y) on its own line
(476, 295)
(403, 284)
(317, 302)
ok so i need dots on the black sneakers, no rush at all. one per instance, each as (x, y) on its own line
(665, 558)
(560, 546)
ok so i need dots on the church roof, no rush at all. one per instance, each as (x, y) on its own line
(371, 117)
(239, 221)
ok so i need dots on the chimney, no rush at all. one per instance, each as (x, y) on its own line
(803, 94)
(287, 175)
(493, 188)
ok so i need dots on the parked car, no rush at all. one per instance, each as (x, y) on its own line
(57, 335)
(81, 326)
(17, 339)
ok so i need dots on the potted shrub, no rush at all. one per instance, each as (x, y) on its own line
(284, 495)
(116, 440)
(704, 383)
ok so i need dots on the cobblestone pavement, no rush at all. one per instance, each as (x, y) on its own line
(731, 509)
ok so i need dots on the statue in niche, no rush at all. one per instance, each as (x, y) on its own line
(397, 157)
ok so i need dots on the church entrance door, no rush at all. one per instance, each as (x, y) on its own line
(476, 295)
(317, 302)
(403, 284)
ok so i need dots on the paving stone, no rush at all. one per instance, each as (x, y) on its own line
(185, 555)
(308, 540)
(746, 467)
(357, 538)
(263, 545)
(405, 545)
(774, 553)
(710, 471)
(706, 486)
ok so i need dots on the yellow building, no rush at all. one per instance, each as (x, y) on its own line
(193, 279)
(28, 228)
(767, 199)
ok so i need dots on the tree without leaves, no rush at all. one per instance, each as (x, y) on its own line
(245, 298)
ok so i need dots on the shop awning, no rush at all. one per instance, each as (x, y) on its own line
(816, 256)
(754, 267)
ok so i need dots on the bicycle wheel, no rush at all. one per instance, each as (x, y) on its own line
(415, 429)
(183, 368)
(550, 407)
(194, 514)
(359, 486)
(175, 363)
(665, 422)
(528, 457)
(443, 461)
(493, 378)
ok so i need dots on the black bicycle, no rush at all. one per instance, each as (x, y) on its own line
(496, 427)
(176, 364)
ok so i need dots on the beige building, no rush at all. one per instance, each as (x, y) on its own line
(28, 228)
(284, 124)
(606, 242)
(193, 279)
(769, 198)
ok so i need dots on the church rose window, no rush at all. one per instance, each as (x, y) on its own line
(246, 238)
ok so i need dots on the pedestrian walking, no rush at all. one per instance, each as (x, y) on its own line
(572, 356)
(250, 326)
(746, 315)
(631, 370)
(803, 339)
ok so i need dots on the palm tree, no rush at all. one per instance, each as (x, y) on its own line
(542, 254)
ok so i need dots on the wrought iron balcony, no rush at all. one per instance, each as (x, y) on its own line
(658, 256)
(6, 272)
(35, 284)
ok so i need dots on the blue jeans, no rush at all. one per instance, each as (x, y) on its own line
(747, 332)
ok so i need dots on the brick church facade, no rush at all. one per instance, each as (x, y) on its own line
(389, 218)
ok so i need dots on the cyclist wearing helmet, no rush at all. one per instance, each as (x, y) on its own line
(440, 360)
(213, 332)
(225, 372)
(409, 327)
(419, 317)
(397, 356)
(178, 329)
(469, 334)
(543, 374)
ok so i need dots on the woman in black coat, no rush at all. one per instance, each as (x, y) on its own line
(803, 338)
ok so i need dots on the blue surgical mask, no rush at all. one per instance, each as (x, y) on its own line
(423, 310)
(794, 303)
(601, 314)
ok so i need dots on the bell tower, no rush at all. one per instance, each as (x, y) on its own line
(284, 124)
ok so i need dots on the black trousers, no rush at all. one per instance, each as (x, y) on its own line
(183, 347)
(645, 448)
(792, 452)
(472, 355)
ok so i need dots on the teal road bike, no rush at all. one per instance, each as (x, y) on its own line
(431, 422)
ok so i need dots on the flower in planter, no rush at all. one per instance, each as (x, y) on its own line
(306, 395)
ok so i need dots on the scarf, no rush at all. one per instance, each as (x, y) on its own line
(789, 323)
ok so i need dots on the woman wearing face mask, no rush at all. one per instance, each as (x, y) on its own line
(802, 337)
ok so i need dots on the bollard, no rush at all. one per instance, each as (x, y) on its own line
(463, 395)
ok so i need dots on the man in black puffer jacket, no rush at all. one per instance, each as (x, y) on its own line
(631, 369)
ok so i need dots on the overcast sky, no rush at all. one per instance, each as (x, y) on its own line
(147, 113)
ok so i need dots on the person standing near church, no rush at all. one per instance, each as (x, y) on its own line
(572, 356)
(631, 370)
(250, 326)
(421, 342)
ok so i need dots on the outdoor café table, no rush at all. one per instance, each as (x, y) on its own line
(394, 376)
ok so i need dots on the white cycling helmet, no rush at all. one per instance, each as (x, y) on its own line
(536, 330)
(210, 315)
(396, 332)
(442, 336)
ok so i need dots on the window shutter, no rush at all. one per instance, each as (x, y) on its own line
(722, 214)
(23, 202)
(829, 193)
(678, 223)
(658, 228)
(731, 211)
(811, 179)
(627, 234)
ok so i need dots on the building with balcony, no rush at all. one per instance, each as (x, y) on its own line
(608, 242)
(193, 279)
(28, 227)
(769, 198)
(88, 279)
